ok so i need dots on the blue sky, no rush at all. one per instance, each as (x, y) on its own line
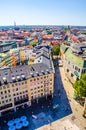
(43, 12)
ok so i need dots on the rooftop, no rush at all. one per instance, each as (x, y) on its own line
(76, 59)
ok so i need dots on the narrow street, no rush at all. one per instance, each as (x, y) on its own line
(77, 109)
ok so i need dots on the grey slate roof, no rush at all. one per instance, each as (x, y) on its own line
(22, 72)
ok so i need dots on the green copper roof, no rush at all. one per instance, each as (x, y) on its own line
(75, 59)
(63, 47)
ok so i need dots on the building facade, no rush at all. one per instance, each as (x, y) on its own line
(22, 84)
(75, 61)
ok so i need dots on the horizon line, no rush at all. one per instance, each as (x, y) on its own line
(42, 25)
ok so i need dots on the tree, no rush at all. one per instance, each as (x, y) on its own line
(80, 89)
(56, 50)
(49, 32)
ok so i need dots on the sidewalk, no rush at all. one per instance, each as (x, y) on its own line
(77, 109)
(74, 121)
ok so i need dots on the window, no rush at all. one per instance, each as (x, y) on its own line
(14, 99)
(20, 97)
(26, 95)
(78, 70)
(22, 83)
(9, 99)
(2, 102)
(72, 75)
(6, 100)
(25, 82)
(50, 91)
(5, 96)
(4, 87)
(67, 70)
(50, 79)
(17, 98)
(1, 92)
(2, 97)
(41, 94)
(9, 91)
(23, 96)
(8, 86)
(16, 89)
(5, 91)
(12, 85)
(31, 97)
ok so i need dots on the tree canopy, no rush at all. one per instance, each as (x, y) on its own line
(80, 86)
(49, 32)
(56, 50)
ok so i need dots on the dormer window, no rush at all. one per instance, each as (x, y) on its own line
(23, 76)
(5, 80)
(32, 75)
(13, 79)
(18, 78)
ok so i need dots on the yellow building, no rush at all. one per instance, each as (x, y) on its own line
(22, 55)
(22, 84)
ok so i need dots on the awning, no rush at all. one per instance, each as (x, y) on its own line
(76, 73)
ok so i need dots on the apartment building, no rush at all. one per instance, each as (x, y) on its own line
(75, 61)
(10, 58)
(22, 84)
(7, 45)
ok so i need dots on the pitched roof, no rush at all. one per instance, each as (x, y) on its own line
(75, 59)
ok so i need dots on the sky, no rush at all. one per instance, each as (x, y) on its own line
(43, 12)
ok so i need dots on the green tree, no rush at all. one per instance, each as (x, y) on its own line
(80, 89)
(56, 50)
(84, 33)
(49, 32)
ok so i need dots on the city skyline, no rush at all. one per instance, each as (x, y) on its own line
(36, 12)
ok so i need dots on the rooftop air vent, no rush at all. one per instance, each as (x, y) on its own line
(5, 80)
(13, 79)
(23, 77)
(18, 78)
(32, 75)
